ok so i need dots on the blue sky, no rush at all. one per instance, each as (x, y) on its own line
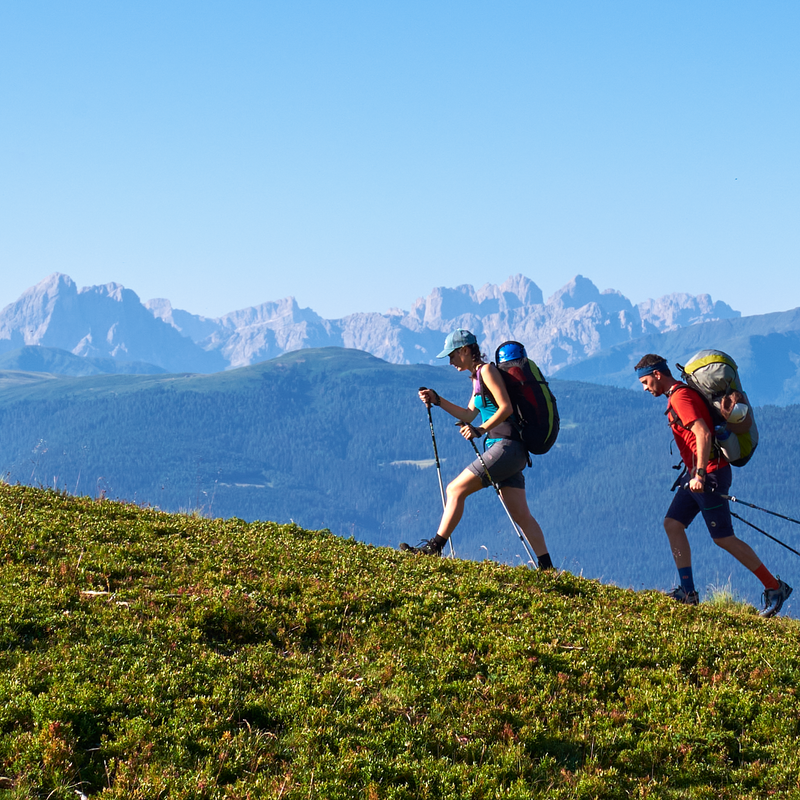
(357, 154)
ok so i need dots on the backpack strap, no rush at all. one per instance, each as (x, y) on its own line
(479, 387)
(675, 420)
(671, 414)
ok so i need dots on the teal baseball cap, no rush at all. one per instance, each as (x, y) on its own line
(455, 340)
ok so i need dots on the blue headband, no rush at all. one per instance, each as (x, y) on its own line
(660, 366)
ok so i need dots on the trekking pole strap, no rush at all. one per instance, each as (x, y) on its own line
(758, 508)
(769, 536)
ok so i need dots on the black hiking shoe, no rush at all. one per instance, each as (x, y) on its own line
(427, 547)
(682, 596)
(774, 599)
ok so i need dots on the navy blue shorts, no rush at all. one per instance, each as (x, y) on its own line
(716, 512)
(505, 460)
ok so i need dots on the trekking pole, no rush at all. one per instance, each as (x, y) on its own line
(782, 544)
(438, 469)
(531, 557)
(758, 508)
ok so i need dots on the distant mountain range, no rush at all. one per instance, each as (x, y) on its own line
(111, 321)
(579, 333)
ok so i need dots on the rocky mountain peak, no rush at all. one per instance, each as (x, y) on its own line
(524, 289)
(105, 321)
(577, 293)
(112, 291)
(680, 310)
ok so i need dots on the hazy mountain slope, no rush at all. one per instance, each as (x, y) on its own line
(337, 438)
(60, 362)
(765, 347)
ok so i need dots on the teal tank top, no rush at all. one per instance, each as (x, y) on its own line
(486, 411)
(485, 404)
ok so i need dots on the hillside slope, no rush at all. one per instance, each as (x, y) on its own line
(149, 655)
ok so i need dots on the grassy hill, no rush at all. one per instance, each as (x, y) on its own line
(147, 655)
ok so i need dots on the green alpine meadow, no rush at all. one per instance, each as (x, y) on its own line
(153, 655)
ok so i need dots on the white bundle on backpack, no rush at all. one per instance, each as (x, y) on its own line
(715, 376)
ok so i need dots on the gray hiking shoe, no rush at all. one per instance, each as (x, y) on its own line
(682, 596)
(774, 599)
(424, 548)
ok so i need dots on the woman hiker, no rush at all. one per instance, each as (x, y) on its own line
(505, 455)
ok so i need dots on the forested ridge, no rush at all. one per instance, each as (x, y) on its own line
(337, 439)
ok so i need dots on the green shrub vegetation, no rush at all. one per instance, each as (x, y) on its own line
(149, 655)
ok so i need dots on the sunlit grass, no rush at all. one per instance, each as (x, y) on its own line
(724, 597)
(146, 655)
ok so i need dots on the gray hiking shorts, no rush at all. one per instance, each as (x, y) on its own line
(505, 460)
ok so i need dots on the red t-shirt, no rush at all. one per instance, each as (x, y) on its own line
(684, 407)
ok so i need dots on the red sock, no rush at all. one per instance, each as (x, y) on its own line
(766, 577)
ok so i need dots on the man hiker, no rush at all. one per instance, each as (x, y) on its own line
(707, 476)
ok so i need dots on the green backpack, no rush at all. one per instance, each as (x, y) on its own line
(715, 376)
